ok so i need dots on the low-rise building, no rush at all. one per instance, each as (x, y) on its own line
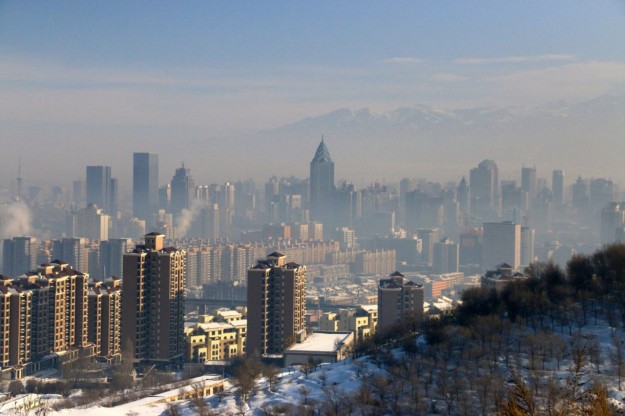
(320, 347)
(362, 321)
(217, 338)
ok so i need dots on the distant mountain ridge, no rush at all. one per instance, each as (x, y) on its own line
(585, 137)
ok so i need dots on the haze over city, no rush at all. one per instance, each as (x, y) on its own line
(211, 83)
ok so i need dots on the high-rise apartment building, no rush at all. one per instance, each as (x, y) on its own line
(19, 255)
(153, 303)
(59, 308)
(73, 251)
(144, 185)
(502, 244)
(90, 222)
(104, 317)
(429, 237)
(446, 257)
(15, 327)
(322, 186)
(484, 182)
(399, 301)
(276, 304)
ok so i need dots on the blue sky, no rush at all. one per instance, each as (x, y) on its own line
(231, 67)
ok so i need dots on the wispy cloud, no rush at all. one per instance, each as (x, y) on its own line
(515, 59)
(403, 60)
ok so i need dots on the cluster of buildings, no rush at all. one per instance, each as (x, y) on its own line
(375, 257)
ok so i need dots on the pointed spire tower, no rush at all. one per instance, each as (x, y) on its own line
(321, 182)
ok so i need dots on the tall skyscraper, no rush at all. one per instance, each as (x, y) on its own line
(557, 185)
(101, 188)
(502, 244)
(399, 301)
(528, 182)
(144, 185)
(182, 190)
(322, 186)
(485, 190)
(276, 304)
(463, 196)
(153, 294)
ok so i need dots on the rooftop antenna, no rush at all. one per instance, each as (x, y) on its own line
(19, 180)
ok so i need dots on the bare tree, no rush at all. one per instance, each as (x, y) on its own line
(617, 356)
(271, 372)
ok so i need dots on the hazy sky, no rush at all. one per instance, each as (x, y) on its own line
(74, 75)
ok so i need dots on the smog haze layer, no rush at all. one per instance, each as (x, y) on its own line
(246, 89)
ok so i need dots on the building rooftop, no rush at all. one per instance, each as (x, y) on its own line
(321, 342)
(322, 154)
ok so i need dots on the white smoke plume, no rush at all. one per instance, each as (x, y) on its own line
(15, 220)
(187, 216)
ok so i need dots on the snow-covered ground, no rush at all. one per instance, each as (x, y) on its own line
(344, 379)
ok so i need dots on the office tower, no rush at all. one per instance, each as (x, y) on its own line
(446, 257)
(276, 304)
(463, 195)
(424, 210)
(90, 222)
(321, 183)
(101, 188)
(405, 185)
(153, 303)
(73, 251)
(557, 185)
(104, 317)
(15, 327)
(484, 182)
(78, 193)
(527, 246)
(144, 185)
(59, 309)
(19, 255)
(602, 192)
(400, 301)
(612, 218)
(182, 190)
(428, 238)
(112, 255)
(513, 200)
(580, 198)
(502, 244)
(528, 182)
(164, 197)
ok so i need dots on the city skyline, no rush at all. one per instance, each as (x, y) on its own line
(222, 77)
